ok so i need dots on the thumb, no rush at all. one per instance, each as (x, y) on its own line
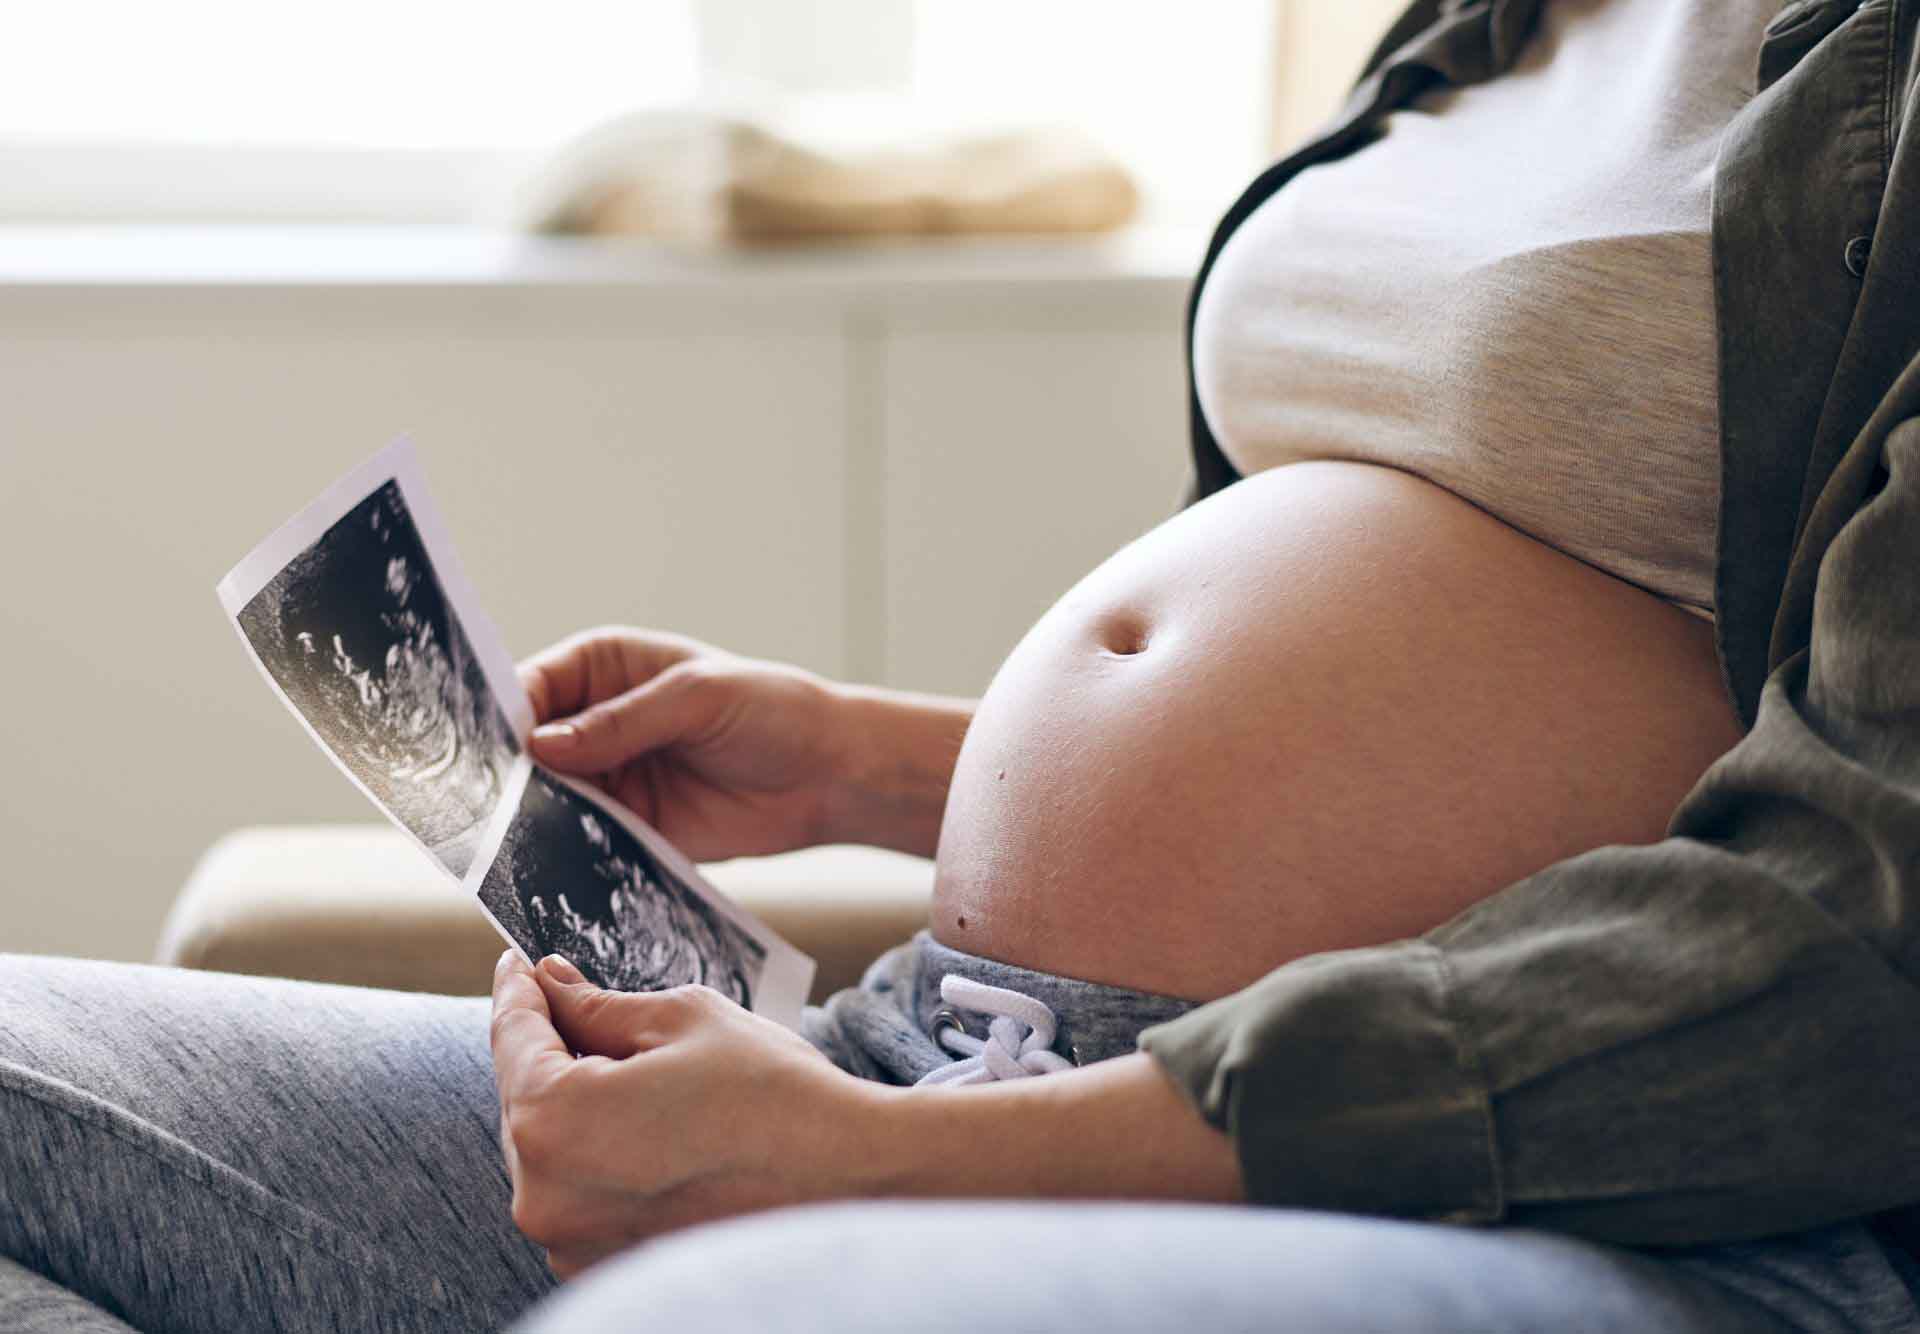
(655, 714)
(593, 1020)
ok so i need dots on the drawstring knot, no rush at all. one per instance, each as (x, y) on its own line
(1019, 1041)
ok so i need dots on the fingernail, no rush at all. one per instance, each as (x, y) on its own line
(564, 734)
(559, 968)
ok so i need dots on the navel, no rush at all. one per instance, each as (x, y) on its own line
(1123, 634)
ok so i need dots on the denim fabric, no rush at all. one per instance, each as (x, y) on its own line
(1145, 1269)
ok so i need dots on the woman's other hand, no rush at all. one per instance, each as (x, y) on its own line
(732, 757)
(726, 756)
(680, 1107)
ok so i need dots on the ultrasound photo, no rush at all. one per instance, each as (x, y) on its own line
(570, 879)
(358, 611)
(359, 633)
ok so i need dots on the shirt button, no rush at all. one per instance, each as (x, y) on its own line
(1857, 251)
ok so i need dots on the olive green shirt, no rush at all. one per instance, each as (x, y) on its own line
(1714, 1037)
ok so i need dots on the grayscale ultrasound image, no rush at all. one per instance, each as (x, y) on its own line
(570, 880)
(359, 633)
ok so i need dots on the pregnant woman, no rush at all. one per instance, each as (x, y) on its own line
(1461, 873)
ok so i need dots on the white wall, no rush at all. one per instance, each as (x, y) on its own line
(886, 474)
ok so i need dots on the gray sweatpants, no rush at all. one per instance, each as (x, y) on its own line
(196, 1152)
(883, 1029)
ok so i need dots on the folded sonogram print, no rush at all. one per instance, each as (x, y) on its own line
(582, 886)
(360, 616)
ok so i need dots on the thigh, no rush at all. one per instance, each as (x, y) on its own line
(1140, 1268)
(192, 1150)
(30, 1304)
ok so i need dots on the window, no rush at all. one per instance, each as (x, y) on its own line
(429, 110)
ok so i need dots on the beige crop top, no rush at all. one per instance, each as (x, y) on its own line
(1510, 294)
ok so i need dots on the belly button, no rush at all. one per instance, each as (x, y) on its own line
(1124, 636)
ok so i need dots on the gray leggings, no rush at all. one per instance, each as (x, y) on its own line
(198, 1152)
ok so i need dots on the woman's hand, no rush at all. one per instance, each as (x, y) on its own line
(680, 1107)
(730, 756)
(726, 756)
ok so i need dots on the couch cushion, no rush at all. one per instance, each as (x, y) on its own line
(359, 904)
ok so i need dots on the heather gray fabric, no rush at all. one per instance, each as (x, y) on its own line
(189, 1151)
(883, 1029)
(200, 1152)
(1477, 302)
(35, 1305)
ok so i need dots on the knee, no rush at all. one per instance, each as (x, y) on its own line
(1127, 1269)
(948, 1267)
(794, 1270)
(39, 1005)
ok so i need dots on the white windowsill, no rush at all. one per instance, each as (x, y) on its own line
(1149, 261)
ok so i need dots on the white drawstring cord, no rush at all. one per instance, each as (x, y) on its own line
(1004, 1053)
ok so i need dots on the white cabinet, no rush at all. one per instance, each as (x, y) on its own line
(878, 466)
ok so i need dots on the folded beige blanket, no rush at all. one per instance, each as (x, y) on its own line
(717, 181)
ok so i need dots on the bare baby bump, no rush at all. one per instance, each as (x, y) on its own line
(1331, 706)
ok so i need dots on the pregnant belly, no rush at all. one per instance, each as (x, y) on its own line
(1330, 706)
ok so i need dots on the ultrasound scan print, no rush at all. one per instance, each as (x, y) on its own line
(570, 880)
(359, 634)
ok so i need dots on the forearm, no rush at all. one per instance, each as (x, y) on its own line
(895, 768)
(1116, 1130)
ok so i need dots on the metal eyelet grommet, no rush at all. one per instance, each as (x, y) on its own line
(1858, 251)
(944, 1019)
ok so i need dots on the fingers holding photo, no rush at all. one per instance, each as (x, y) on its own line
(619, 1024)
(740, 1114)
(587, 668)
(528, 1052)
(671, 707)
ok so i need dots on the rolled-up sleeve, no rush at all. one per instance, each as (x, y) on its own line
(1705, 1039)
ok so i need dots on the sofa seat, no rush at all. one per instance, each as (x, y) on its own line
(359, 904)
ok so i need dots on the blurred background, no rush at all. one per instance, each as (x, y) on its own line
(841, 331)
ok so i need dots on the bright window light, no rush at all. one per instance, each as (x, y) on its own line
(1179, 92)
(359, 73)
